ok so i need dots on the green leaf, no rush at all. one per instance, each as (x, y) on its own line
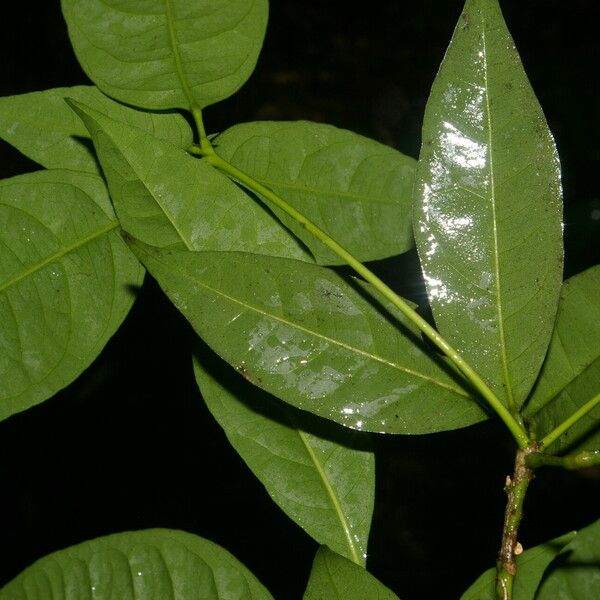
(307, 466)
(304, 334)
(575, 574)
(530, 569)
(43, 127)
(333, 577)
(357, 190)
(571, 373)
(488, 207)
(165, 197)
(156, 564)
(66, 282)
(167, 53)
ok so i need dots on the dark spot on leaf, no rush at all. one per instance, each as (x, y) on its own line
(329, 293)
(244, 372)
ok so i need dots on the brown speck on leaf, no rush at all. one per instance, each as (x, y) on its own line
(244, 372)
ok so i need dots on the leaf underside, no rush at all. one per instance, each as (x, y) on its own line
(333, 577)
(304, 334)
(305, 464)
(570, 375)
(67, 280)
(356, 189)
(166, 198)
(167, 53)
(44, 128)
(155, 563)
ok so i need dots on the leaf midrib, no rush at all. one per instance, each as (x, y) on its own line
(501, 334)
(187, 91)
(167, 215)
(333, 497)
(285, 185)
(316, 334)
(58, 255)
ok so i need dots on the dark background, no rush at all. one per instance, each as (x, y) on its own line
(130, 444)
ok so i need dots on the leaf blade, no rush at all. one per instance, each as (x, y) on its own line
(167, 53)
(308, 469)
(264, 323)
(493, 277)
(357, 190)
(165, 198)
(43, 127)
(570, 375)
(530, 570)
(65, 282)
(153, 563)
(575, 574)
(336, 578)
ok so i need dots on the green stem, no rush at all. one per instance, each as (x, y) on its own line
(571, 461)
(513, 425)
(206, 148)
(570, 421)
(516, 489)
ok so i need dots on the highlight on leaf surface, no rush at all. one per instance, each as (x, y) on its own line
(309, 466)
(167, 53)
(154, 563)
(488, 207)
(67, 281)
(304, 334)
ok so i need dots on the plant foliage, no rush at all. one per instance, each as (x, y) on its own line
(241, 228)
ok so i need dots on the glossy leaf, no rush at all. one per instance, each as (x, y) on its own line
(575, 574)
(152, 564)
(488, 207)
(167, 53)
(357, 190)
(334, 577)
(165, 197)
(571, 373)
(43, 127)
(305, 464)
(304, 334)
(530, 570)
(67, 281)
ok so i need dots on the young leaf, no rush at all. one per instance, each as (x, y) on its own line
(155, 563)
(488, 207)
(575, 574)
(571, 373)
(165, 197)
(530, 569)
(304, 334)
(167, 53)
(320, 482)
(66, 282)
(357, 190)
(333, 577)
(43, 127)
